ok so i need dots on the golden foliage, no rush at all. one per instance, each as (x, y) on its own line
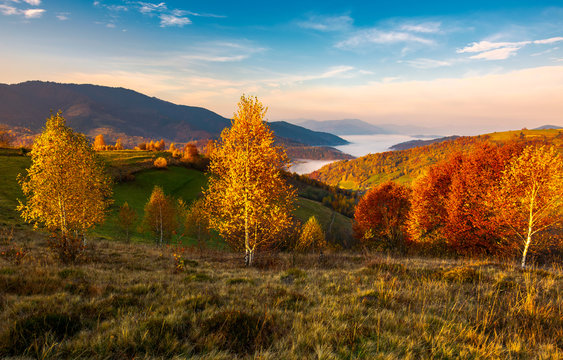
(160, 215)
(312, 236)
(161, 163)
(66, 187)
(530, 194)
(247, 200)
(125, 219)
(99, 143)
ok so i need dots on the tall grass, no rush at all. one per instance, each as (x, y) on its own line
(128, 301)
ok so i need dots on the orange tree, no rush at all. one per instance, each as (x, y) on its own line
(65, 187)
(529, 197)
(381, 214)
(247, 199)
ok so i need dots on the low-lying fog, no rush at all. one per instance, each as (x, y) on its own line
(360, 145)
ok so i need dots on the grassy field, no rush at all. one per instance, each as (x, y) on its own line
(179, 182)
(128, 301)
(11, 164)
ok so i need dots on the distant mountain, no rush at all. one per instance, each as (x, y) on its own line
(117, 112)
(417, 143)
(344, 127)
(359, 127)
(548, 127)
(304, 135)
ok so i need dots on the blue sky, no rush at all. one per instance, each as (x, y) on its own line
(464, 67)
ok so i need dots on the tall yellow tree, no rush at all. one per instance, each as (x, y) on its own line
(66, 186)
(247, 200)
(160, 215)
(530, 195)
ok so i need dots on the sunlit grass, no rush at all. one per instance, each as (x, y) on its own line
(129, 302)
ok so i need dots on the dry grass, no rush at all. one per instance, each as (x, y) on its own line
(128, 301)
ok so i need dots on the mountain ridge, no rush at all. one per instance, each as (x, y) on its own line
(89, 107)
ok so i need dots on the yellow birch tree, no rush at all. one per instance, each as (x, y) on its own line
(160, 215)
(65, 187)
(247, 200)
(530, 195)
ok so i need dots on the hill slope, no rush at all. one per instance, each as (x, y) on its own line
(120, 112)
(404, 166)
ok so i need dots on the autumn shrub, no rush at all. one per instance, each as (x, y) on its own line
(14, 254)
(69, 249)
(160, 163)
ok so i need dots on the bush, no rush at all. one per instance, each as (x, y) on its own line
(160, 163)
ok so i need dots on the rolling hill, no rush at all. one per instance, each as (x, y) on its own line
(119, 112)
(404, 166)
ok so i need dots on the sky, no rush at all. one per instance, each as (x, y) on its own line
(454, 66)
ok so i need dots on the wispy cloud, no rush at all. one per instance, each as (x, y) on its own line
(327, 23)
(376, 36)
(63, 16)
(33, 13)
(488, 50)
(423, 63)
(8, 10)
(150, 7)
(426, 27)
(173, 20)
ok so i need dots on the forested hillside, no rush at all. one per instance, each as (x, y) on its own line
(404, 166)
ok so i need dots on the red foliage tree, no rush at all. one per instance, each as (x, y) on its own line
(451, 204)
(380, 217)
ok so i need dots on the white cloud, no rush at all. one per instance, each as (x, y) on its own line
(549, 41)
(33, 13)
(110, 25)
(117, 8)
(33, 2)
(497, 54)
(171, 20)
(501, 50)
(150, 7)
(211, 58)
(8, 10)
(63, 16)
(427, 27)
(427, 63)
(487, 45)
(375, 36)
(327, 23)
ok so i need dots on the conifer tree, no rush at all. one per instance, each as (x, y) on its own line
(248, 201)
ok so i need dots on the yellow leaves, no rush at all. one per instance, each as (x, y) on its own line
(248, 203)
(65, 186)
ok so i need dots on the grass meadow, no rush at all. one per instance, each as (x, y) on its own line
(137, 300)
(132, 301)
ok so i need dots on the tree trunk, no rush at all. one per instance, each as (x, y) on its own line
(528, 241)
(529, 238)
